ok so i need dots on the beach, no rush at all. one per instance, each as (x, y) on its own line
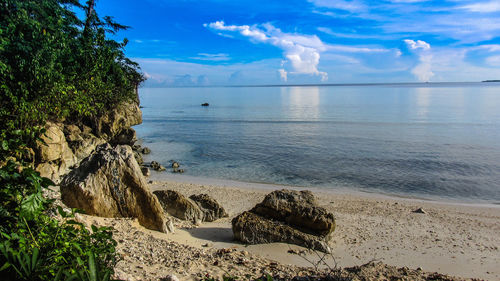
(451, 238)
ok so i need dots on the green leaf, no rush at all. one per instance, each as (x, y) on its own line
(5, 145)
(31, 206)
(5, 266)
(92, 267)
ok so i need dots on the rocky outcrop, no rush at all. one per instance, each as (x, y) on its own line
(210, 208)
(65, 145)
(127, 136)
(179, 206)
(109, 183)
(113, 122)
(286, 216)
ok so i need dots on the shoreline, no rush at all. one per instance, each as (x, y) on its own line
(455, 239)
(182, 178)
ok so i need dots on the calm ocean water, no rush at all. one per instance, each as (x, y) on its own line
(424, 140)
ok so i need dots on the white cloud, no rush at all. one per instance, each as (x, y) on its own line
(283, 74)
(346, 5)
(484, 7)
(300, 51)
(212, 57)
(423, 71)
(493, 60)
(419, 44)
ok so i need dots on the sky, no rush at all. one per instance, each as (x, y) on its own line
(262, 42)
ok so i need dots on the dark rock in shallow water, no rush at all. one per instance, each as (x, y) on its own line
(157, 166)
(146, 150)
(205, 104)
(286, 216)
(211, 209)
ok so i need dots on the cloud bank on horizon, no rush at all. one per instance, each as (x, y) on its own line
(218, 42)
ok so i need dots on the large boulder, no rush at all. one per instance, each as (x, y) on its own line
(54, 156)
(179, 206)
(109, 183)
(254, 229)
(113, 122)
(286, 216)
(298, 209)
(211, 209)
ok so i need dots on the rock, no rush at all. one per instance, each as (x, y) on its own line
(211, 209)
(136, 147)
(298, 209)
(109, 183)
(419, 211)
(113, 122)
(170, 277)
(145, 171)
(179, 206)
(127, 136)
(254, 229)
(179, 171)
(54, 156)
(138, 158)
(205, 104)
(146, 150)
(157, 166)
(286, 216)
(81, 141)
(175, 165)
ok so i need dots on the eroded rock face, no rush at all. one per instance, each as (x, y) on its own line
(54, 157)
(179, 206)
(286, 216)
(211, 209)
(127, 136)
(113, 122)
(109, 183)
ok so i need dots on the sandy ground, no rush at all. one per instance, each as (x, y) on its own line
(460, 240)
(450, 238)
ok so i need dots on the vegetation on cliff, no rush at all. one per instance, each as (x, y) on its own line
(53, 66)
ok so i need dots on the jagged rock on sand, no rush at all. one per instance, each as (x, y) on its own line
(211, 209)
(110, 183)
(179, 206)
(286, 216)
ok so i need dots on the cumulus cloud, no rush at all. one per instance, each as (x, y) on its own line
(419, 44)
(423, 71)
(302, 52)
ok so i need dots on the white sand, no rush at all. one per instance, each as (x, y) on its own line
(456, 239)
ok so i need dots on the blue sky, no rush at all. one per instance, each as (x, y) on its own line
(218, 42)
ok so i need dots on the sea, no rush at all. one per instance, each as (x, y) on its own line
(437, 141)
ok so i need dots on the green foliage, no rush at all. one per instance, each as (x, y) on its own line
(53, 65)
(35, 246)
